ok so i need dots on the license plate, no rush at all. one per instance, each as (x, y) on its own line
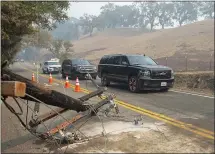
(163, 84)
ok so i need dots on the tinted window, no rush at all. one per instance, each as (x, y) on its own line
(65, 62)
(80, 62)
(53, 63)
(103, 60)
(124, 60)
(110, 60)
(46, 63)
(117, 60)
(141, 60)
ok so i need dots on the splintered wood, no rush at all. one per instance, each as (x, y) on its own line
(13, 88)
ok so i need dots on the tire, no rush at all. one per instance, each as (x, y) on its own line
(104, 81)
(133, 84)
(165, 90)
(63, 75)
(44, 72)
(47, 71)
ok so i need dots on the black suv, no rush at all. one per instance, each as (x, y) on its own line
(78, 68)
(140, 72)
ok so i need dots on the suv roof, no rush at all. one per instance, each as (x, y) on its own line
(76, 59)
(123, 55)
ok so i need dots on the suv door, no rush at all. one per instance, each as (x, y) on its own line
(109, 68)
(124, 69)
(117, 68)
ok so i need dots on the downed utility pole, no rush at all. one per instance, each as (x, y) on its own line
(37, 93)
(50, 97)
(13, 88)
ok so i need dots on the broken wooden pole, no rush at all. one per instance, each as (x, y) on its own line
(13, 88)
(47, 116)
(50, 97)
(78, 118)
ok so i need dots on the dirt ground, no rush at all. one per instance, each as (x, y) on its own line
(125, 137)
(196, 39)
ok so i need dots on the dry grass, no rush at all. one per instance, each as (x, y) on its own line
(193, 38)
(196, 72)
(195, 81)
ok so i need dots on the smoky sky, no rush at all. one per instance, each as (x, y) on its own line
(77, 9)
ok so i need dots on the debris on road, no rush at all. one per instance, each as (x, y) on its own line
(37, 93)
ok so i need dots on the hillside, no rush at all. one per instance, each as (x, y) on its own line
(197, 39)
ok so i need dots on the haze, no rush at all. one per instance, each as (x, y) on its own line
(77, 9)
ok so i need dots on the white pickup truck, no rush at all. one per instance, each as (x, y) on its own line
(51, 67)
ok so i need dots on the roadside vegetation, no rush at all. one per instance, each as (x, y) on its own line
(41, 30)
(21, 18)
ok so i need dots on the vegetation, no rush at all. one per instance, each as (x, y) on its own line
(61, 49)
(29, 23)
(145, 15)
(20, 18)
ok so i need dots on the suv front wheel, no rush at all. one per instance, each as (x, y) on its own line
(133, 84)
(104, 80)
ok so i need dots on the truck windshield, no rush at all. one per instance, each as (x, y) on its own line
(140, 60)
(53, 63)
(80, 62)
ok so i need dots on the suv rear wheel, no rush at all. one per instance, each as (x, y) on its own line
(133, 84)
(104, 80)
(63, 75)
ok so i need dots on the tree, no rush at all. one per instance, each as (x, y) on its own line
(207, 9)
(88, 22)
(101, 24)
(184, 12)
(19, 18)
(40, 39)
(165, 14)
(61, 49)
(142, 18)
(151, 12)
(126, 15)
(109, 13)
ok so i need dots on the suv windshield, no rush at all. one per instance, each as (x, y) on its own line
(80, 62)
(53, 63)
(140, 60)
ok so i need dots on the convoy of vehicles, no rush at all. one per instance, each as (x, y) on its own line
(140, 72)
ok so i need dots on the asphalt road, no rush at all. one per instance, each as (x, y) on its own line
(194, 110)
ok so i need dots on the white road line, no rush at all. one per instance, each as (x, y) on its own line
(188, 93)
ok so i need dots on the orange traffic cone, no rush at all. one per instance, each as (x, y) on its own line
(67, 82)
(50, 79)
(33, 79)
(77, 85)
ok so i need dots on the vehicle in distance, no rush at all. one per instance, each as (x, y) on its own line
(140, 72)
(51, 67)
(78, 68)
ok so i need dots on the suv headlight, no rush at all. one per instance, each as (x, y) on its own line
(78, 68)
(94, 67)
(145, 73)
(172, 73)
